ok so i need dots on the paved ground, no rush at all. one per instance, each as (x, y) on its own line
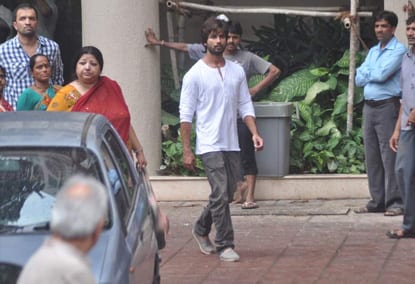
(318, 241)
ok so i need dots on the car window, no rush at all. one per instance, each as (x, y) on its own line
(122, 160)
(30, 178)
(117, 185)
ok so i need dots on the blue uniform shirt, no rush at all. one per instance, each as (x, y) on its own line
(380, 72)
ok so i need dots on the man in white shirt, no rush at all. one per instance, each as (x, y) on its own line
(252, 65)
(215, 90)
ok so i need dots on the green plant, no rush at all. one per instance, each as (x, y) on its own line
(319, 140)
(172, 154)
(297, 42)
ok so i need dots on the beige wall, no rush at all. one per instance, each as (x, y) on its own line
(117, 29)
(397, 7)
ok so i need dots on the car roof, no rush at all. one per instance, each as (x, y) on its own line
(43, 128)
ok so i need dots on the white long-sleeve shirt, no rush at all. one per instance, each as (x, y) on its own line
(216, 98)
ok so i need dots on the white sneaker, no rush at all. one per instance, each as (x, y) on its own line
(229, 254)
(205, 245)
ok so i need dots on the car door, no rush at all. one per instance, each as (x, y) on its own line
(139, 235)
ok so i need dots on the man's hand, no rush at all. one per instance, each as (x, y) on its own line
(189, 160)
(411, 118)
(151, 38)
(393, 141)
(258, 142)
(409, 8)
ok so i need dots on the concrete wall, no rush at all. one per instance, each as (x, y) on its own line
(303, 187)
(397, 7)
(117, 29)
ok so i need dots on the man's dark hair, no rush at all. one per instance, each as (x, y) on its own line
(24, 6)
(388, 16)
(213, 25)
(410, 20)
(235, 28)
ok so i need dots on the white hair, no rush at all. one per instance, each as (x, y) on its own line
(80, 206)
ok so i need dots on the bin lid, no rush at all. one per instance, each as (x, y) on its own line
(273, 109)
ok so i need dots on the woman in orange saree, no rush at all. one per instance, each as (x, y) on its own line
(91, 92)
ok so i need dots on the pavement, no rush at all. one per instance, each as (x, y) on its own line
(291, 241)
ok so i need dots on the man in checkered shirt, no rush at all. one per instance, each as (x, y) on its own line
(16, 52)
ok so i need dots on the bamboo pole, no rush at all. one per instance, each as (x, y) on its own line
(352, 64)
(264, 10)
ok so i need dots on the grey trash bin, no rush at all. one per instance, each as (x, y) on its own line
(274, 122)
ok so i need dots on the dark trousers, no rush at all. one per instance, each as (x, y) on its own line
(378, 126)
(248, 161)
(405, 175)
(223, 172)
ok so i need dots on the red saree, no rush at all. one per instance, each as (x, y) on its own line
(106, 98)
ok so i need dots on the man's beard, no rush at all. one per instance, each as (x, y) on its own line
(28, 34)
(214, 51)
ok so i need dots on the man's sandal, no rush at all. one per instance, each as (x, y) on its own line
(249, 205)
(400, 234)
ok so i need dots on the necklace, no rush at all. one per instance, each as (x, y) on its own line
(42, 89)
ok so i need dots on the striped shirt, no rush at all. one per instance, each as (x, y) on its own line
(16, 62)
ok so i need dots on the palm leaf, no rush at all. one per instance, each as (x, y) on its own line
(317, 88)
(293, 87)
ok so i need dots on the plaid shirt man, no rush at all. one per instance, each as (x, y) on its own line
(16, 62)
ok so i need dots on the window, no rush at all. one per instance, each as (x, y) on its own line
(117, 187)
(119, 173)
(30, 178)
(123, 161)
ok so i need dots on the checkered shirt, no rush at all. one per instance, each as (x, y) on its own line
(16, 62)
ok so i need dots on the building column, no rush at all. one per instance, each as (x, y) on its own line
(117, 29)
(396, 6)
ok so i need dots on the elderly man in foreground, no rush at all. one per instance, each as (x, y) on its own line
(77, 221)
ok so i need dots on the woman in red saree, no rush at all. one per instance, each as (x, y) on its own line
(91, 92)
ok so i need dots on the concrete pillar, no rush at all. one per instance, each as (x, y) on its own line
(396, 6)
(117, 29)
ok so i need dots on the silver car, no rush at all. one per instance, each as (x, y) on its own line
(38, 152)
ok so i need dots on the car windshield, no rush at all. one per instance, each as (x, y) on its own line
(30, 180)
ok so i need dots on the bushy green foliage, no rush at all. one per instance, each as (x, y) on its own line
(297, 42)
(319, 140)
(172, 152)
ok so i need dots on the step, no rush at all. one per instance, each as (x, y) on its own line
(330, 186)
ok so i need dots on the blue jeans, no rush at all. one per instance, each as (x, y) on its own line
(223, 172)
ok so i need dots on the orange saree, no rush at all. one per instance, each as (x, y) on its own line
(104, 98)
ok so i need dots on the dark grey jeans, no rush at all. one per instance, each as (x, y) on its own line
(378, 126)
(405, 175)
(223, 172)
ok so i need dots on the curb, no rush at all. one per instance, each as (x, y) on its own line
(295, 187)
